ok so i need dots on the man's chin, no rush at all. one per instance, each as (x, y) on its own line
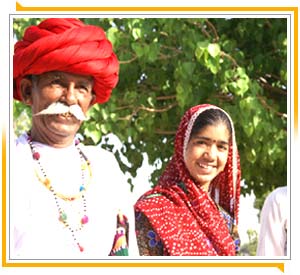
(63, 130)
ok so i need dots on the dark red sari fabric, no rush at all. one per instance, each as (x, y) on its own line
(67, 44)
(186, 218)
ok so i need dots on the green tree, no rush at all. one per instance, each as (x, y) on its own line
(169, 64)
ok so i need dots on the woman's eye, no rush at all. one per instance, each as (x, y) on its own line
(200, 142)
(222, 147)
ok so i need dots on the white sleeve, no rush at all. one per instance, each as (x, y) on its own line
(273, 222)
(117, 193)
(18, 204)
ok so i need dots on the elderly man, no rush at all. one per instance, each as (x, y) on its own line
(66, 199)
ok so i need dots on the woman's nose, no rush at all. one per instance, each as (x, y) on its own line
(211, 151)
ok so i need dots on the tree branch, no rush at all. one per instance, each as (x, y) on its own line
(166, 97)
(128, 61)
(205, 32)
(153, 110)
(268, 107)
(143, 108)
(266, 85)
(223, 54)
(212, 27)
(171, 48)
(228, 97)
(164, 132)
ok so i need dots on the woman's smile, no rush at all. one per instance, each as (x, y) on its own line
(205, 167)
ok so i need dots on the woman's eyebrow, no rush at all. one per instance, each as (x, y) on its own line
(211, 140)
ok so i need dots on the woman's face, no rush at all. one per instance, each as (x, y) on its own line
(207, 152)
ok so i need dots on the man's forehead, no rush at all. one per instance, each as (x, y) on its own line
(65, 75)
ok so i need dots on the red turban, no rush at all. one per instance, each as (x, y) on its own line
(68, 45)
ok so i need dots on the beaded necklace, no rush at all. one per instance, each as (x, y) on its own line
(43, 178)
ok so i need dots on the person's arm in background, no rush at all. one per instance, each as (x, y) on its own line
(273, 232)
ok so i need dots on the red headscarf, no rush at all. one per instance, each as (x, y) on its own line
(67, 44)
(185, 218)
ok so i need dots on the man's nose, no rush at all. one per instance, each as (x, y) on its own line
(70, 94)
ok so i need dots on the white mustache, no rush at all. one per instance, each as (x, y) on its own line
(60, 108)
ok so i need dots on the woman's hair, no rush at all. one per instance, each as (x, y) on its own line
(211, 117)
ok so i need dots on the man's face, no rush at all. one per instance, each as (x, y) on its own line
(50, 87)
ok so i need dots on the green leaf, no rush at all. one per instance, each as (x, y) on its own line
(201, 49)
(213, 65)
(153, 52)
(214, 49)
(104, 128)
(256, 120)
(139, 49)
(242, 85)
(251, 156)
(136, 33)
(111, 35)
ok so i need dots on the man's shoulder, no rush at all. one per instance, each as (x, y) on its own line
(20, 145)
(97, 150)
(277, 198)
(21, 140)
(279, 193)
(99, 156)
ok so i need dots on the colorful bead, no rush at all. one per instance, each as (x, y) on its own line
(80, 248)
(47, 184)
(46, 181)
(36, 155)
(84, 219)
(81, 188)
(63, 217)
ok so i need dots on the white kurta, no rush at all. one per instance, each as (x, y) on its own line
(273, 232)
(35, 231)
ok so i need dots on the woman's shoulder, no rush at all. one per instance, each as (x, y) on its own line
(155, 203)
(151, 196)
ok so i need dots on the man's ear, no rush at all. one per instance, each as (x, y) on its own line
(26, 91)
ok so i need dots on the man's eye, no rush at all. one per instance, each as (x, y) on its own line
(82, 87)
(55, 82)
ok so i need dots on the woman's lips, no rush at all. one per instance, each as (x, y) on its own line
(205, 167)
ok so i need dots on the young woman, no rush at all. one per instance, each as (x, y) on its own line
(193, 210)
